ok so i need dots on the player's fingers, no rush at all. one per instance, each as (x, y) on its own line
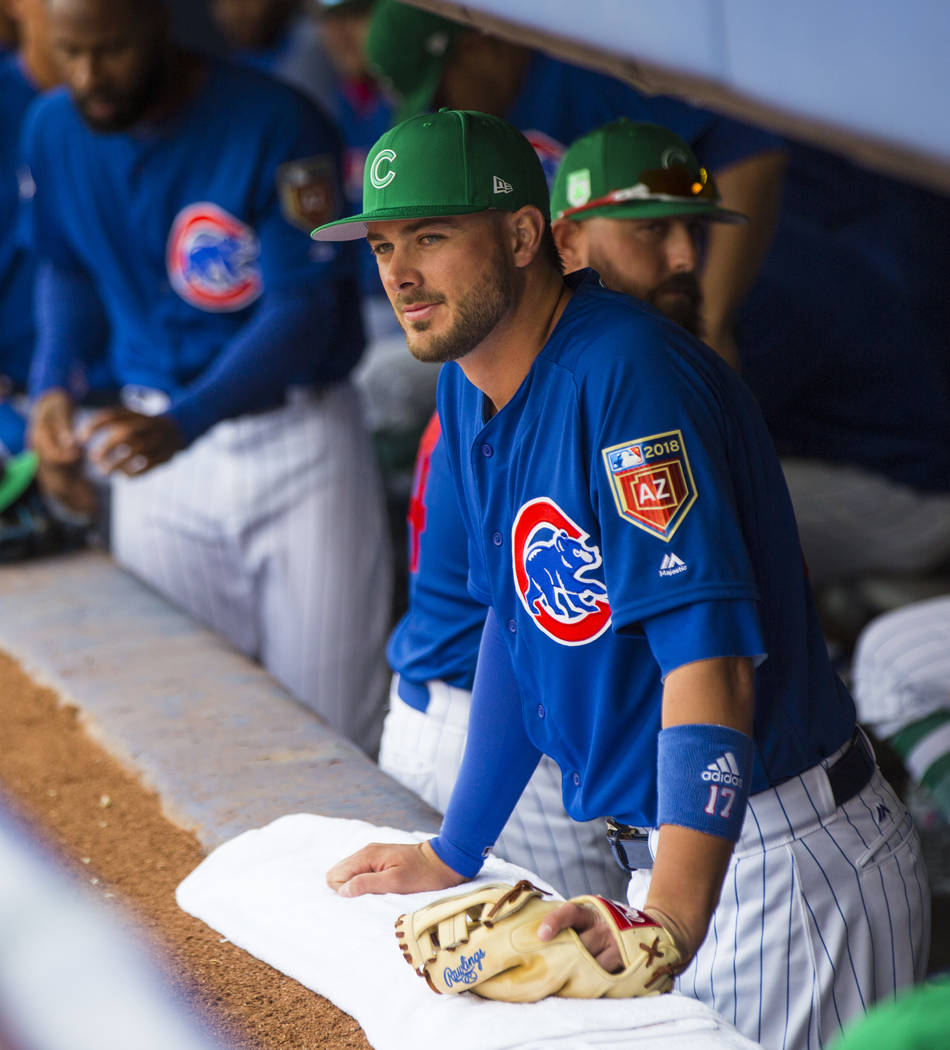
(354, 864)
(568, 916)
(106, 417)
(55, 444)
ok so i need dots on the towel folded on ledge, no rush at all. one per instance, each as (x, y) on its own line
(265, 891)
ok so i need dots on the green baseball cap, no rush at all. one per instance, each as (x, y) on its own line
(625, 170)
(406, 49)
(454, 162)
(16, 476)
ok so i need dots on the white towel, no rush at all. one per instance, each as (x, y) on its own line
(265, 891)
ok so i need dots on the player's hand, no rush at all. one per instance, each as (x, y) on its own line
(595, 934)
(131, 442)
(392, 868)
(69, 486)
(50, 432)
(591, 928)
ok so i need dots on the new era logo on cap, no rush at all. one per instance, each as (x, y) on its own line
(500, 186)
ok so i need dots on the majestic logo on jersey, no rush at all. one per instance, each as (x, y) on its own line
(211, 258)
(652, 482)
(549, 151)
(554, 568)
(384, 160)
(307, 190)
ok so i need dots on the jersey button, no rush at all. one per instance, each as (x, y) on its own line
(540, 710)
(512, 626)
(576, 779)
(497, 539)
(487, 451)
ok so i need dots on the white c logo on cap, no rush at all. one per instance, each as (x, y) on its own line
(374, 177)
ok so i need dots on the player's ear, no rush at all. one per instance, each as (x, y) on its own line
(571, 240)
(527, 227)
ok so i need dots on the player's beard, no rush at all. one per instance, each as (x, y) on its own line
(679, 298)
(476, 315)
(131, 107)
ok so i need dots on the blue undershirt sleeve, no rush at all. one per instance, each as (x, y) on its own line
(499, 760)
(289, 336)
(70, 326)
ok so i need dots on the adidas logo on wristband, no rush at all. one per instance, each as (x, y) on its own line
(725, 770)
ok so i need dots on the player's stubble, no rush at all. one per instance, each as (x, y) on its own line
(477, 312)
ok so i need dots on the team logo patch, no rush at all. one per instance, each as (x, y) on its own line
(652, 482)
(556, 574)
(212, 259)
(307, 192)
(549, 151)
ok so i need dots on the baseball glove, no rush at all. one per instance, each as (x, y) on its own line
(485, 941)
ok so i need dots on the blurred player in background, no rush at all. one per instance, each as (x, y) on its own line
(242, 479)
(280, 37)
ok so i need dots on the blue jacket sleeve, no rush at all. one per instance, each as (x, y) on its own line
(290, 336)
(499, 760)
(70, 326)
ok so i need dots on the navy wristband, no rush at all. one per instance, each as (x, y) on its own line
(703, 775)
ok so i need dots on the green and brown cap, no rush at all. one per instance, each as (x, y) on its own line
(454, 162)
(626, 170)
(406, 49)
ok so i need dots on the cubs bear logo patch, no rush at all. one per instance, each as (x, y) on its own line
(212, 259)
(652, 482)
(557, 574)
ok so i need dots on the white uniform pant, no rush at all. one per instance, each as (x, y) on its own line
(854, 523)
(423, 751)
(901, 669)
(823, 912)
(271, 530)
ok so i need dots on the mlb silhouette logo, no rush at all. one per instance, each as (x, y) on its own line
(628, 456)
(212, 259)
(652, 482)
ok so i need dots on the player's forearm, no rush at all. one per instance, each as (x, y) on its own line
(293, 338)
(70, 326)
(499, 760)
(734, 253)
(708, 709)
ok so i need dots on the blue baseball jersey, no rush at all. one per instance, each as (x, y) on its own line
(189, 229)
(845, 335)
(16, 268)
(627, 514)
(439, 634)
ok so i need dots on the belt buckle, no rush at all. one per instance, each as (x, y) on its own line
(629, 845)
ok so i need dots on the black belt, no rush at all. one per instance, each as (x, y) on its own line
(848, 775)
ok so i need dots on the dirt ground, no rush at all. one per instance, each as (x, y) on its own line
(110, 832)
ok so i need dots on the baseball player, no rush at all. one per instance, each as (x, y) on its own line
(243, 482)
(22, 76)
(642, 247)
(650, 626)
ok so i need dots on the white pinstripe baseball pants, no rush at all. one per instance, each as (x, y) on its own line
(823, 912)
(902, 666)
(423, 751)
(271, 530)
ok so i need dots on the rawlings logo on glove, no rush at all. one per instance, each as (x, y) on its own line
(485, 941)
